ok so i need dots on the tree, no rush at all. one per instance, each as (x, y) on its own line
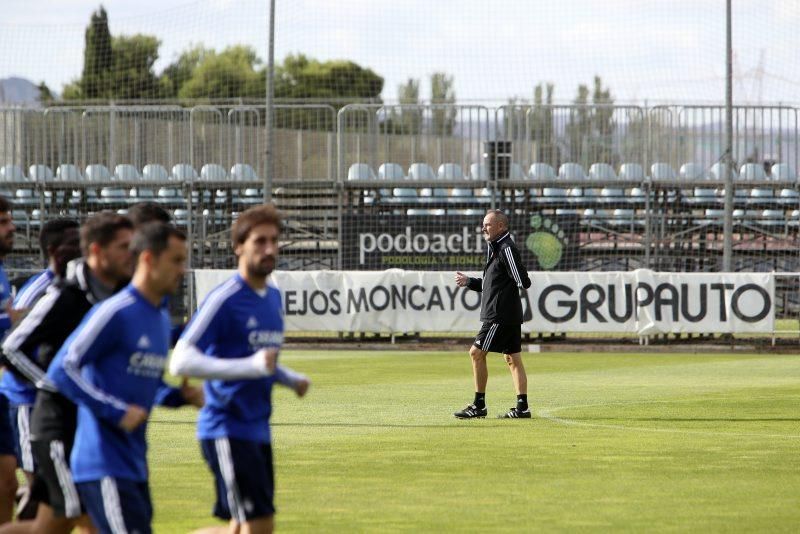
(176, 74)
(541, 125)
(231, 73)
(408, 121)
(98, 58)
(442, 92)
(590, 129)
(46, 96)
(133, 76)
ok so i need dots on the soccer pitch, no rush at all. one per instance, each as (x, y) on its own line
(640, 442)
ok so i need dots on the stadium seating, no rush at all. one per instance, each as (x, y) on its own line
(391, 171)
(40, 173)
(155, 173)
(11, 173)
(212, 172)
(358, 171)
(782, 172)
(450, 171)
(97, 173)
(421, 171)
(542, 171)
(632, 172)
(662, 171)
(183, 172)
(68, 173)
(752, 171)
(126, 173)
(243, 172)
(478, 171)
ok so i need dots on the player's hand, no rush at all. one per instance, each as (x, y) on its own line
(270, 359)
(461, 279)
(192, 394)
(301, 386)
(133, 418)
(16, 315)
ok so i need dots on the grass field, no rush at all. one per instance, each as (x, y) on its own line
(637, 442)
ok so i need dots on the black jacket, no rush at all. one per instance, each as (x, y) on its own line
(503, 277)
(34, 343)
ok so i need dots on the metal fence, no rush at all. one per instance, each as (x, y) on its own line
(594, 187)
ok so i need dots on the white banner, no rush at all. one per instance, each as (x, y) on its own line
(643, 302)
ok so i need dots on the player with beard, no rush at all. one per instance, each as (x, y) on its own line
(59, 242)
(233, 341)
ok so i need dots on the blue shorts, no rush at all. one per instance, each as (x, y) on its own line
(19, 416)
(6, 432)
(118, 505)
(243, 478)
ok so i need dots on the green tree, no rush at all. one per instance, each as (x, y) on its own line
(590, 129)
(98, 58)
(133, 76)
(408, 121)
(231, 73)
(45, 97)
(177, 73)
(541, 125)
(442, 92)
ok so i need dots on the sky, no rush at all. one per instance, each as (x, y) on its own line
(644, 50)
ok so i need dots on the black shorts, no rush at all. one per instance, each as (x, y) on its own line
(502, 338)
(242, 477)
(53, 483)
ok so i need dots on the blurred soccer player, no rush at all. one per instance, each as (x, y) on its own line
(112, 367)
(59, 242)
(31, 346)
(233, 341)
(8, 459)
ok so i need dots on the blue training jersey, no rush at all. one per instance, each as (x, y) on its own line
(18, 390)
(234, 322)
(116, 357)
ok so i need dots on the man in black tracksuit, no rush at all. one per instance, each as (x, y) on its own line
(501, 313)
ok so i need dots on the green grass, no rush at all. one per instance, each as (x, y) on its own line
(636, 442)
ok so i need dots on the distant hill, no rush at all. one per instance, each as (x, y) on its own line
(18, 92)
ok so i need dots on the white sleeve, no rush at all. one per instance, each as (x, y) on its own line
(188, 360)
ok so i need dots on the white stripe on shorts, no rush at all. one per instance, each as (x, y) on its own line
(24, 430)
(225, 460)
(72, 503)
(490, 336)
(112, 506)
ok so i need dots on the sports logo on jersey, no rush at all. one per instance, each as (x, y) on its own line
(252, 323)
(477, 343)
(144, 342)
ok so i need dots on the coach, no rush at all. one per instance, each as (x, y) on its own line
(501, 313)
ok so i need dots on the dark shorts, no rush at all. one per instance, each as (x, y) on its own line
(53, 483)
(118, 505)
(6, 432)
(502, 338)
(243, 478)
(20, 417)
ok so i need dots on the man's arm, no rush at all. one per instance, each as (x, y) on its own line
(188, 360)
(292, 379)
(514, 267)
(94, 339)
(41, 326)
(475, 284)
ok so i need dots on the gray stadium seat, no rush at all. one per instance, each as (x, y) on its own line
(153, 172)
(478, 171)
(752, 171)
(391, 171)
(97, 173)
(602, 171)
(450, 171)
(631, 171)
(516, 172)
(783, 172)
(662, 171)
(421, 171)
(719, 170)
(126, 173)
(542, 171)
(693, 171)
(184, 172)
(68, 173)
(360, 171)
(571, 171)
(212, 172)
(243, 172)
(40, 173)
(11, 173)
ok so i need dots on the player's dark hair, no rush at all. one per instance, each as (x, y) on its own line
(142, 213)
(154, 236)
(5, 205)
(249, 219)
(53, 232)
(102, 228)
